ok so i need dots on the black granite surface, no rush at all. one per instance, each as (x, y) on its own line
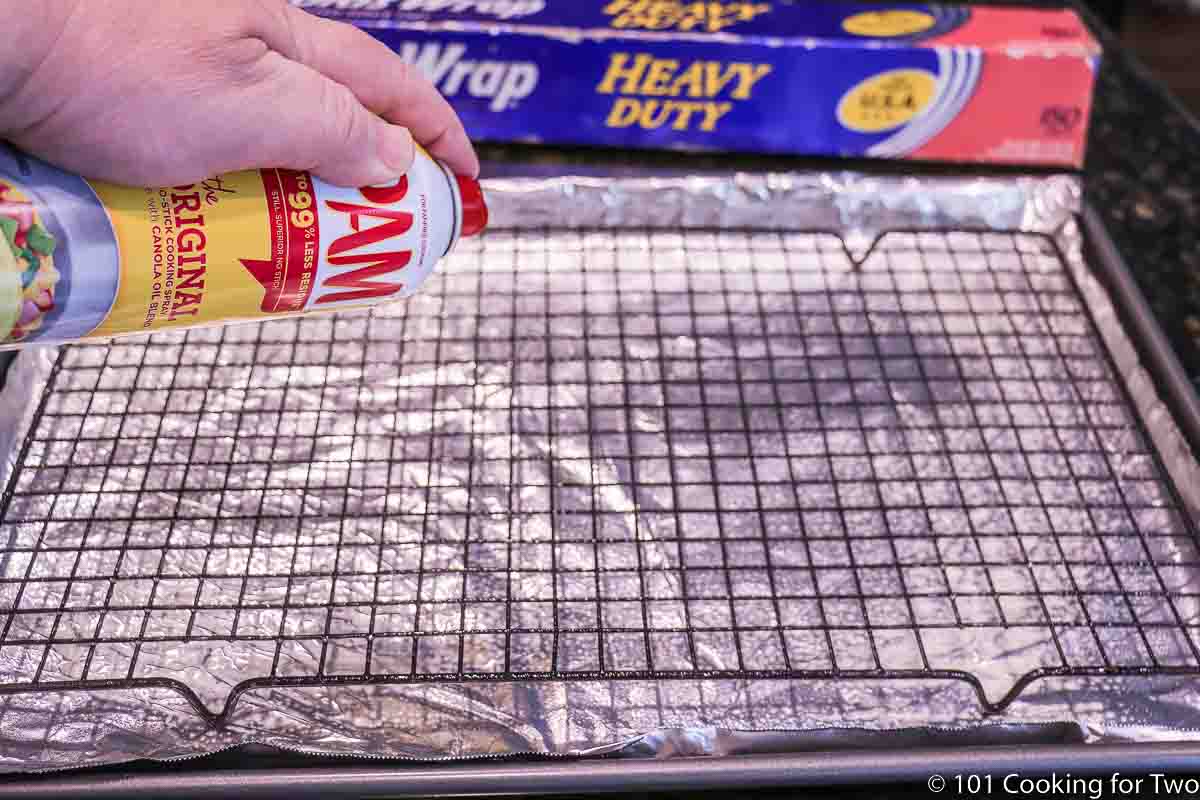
(1143, 176)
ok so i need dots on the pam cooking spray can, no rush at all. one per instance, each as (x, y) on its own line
(83, 259)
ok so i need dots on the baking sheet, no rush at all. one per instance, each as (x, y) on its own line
(570, 226)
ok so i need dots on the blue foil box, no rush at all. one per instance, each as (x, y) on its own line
(907, 80)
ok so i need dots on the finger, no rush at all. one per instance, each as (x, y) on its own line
(383, 83)
(319, 125)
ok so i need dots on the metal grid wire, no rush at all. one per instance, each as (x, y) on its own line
(616, 454)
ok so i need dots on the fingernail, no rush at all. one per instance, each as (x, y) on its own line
(475, 167)
(396, 148)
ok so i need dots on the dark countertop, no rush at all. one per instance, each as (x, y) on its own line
(1143, 176)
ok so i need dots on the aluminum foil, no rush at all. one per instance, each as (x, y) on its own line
(681, 716)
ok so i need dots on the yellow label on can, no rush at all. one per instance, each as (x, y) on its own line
(181, 250)
(896, 22)
(887, 100)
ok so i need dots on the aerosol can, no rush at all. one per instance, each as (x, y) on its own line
(84, 260)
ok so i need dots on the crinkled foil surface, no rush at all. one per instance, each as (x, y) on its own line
(538, 442)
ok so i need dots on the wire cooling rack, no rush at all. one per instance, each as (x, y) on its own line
(609, 454)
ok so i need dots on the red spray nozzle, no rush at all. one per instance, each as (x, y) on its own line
(475, 211)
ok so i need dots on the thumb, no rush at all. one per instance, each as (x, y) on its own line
(328, 131)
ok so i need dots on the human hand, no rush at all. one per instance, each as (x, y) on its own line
(143, 92)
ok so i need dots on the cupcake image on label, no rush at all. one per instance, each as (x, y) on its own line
(59, 259)
(28, 277)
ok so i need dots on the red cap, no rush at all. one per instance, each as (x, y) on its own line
(475, 212)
